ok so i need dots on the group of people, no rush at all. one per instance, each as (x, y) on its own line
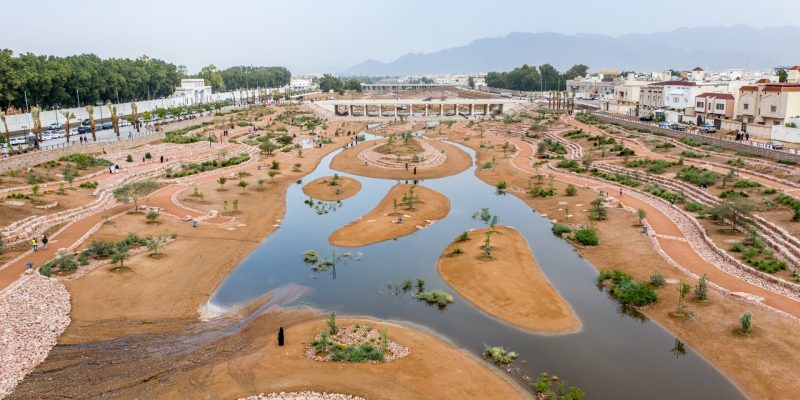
(82, 139)
(113, 169)
(742, 136)
(35, 243)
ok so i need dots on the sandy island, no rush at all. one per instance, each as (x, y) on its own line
(250, 362)
(381, 224)
(321, 188)
(510, 285)
(348, 161)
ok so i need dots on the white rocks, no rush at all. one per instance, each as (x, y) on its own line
(302, 396)
(33, 313)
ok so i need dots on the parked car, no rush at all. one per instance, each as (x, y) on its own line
(48, 135)
(85, 122)
(678, 127)
(665, 124)
(107, 125)
(19, 140)
(84, 129)
(775, 145)
(54, 126)
(708, 128)
(645, 118)
(124, 122)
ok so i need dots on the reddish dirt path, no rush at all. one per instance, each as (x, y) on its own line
(679, 250)
(642, 151)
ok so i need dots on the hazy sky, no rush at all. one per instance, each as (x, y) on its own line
(320, 36)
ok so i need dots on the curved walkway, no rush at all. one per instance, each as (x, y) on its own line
(669, 237)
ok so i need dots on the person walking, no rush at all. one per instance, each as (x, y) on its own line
(35, 244)
(44, 242)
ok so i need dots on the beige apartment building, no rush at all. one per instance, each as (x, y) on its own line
(769, 103)
(713, 107)
(651, 98)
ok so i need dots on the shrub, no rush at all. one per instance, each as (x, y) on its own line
(437, 297)
(331, 322)
(701, 290)
(540, 192)
(499, 355)
(694, 206)
(152, 217)
(622, 287)
(129, 158)
(463, 237)
(559, 229)
(746, 321)
(665, 194)
(691, 154)
(698, 176)
(359, 353)
(769, 191)
(730, 193)
(691, 142)
(89, 185)
(745, 183)
(656, 279)
(571, 190)
(501, 186)
(586, 237)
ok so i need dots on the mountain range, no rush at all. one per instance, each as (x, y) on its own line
(738, 46)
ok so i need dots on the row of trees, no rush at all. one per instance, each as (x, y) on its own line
(528, 78)
(242, 77)
(50, 81)
(329, 82)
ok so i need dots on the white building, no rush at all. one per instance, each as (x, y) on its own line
(193, 91)
(300, 84)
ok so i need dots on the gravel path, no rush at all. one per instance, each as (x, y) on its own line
(302, 396)
(33, 313)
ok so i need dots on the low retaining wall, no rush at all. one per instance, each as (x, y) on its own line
(38, 157)
(726, 144)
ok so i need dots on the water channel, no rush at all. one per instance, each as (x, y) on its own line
(614, 356)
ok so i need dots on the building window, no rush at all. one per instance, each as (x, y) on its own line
(776, 122)
(721, 106)
(746, 106)
(773, 108)
(699, 104)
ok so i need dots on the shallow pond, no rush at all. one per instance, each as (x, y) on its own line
(614, 356)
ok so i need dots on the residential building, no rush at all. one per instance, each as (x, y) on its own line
(793, 74)
(626, 97)
(769, 103)
(651, 98)
(713, 107)
(596, 85)
(698, 74)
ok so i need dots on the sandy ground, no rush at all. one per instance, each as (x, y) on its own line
(759, 364)
(380, 224)
(347, 161)
(321, 188)
(250, 362)
(161, 294)
(509, 285)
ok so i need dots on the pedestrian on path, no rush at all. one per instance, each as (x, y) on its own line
(620, 192)
(44, 242)
(35, 244)
(194, 223)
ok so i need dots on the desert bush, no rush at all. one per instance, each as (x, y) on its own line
(586, 237)
(499, 355)
(559, 229)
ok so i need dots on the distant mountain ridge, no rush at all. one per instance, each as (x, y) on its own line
(738, 46)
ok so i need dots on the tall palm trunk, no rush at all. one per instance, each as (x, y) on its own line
(135, 116)
(114, 118)
(37, 124)
(92, 128)
(8, 134)
(68, 116)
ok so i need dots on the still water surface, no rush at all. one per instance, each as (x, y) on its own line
(614, 356)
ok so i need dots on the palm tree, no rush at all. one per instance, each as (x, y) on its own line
(37, 124)
(114, 117)
(68, 115)
(8, 134)
(135, 116)
(90, 110)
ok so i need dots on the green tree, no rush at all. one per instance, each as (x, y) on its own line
(353, 84)
(5, 125)
(782, 75)
(471, 82)
(212, 77)
(329, 82)
(120, 253)
(135, 191)
(221, 182)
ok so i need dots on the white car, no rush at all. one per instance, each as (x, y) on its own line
(124, 122)
(775, 145)
(54, 126)
(20, 140)
(48, 135)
